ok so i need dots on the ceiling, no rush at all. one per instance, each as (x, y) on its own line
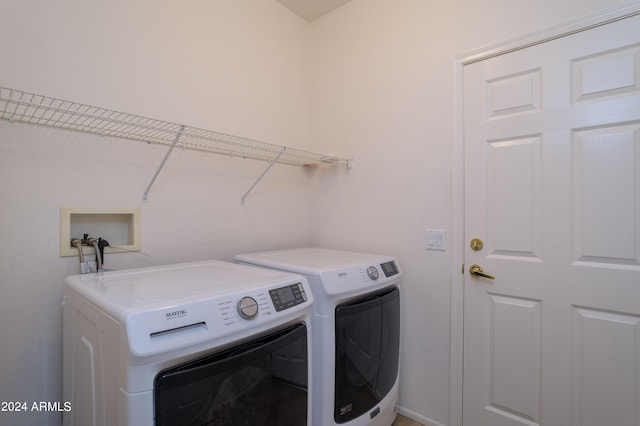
(312, 9)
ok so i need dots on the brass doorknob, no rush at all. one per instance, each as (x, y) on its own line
(477, 271)
(476, 244)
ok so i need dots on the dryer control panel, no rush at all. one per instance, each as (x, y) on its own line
(389, 268)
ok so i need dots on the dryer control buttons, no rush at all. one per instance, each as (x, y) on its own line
(373, 273)
(248, 307)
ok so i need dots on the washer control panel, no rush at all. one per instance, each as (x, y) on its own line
(288, 296)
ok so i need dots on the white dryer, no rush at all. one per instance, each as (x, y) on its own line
(199, 343)
(356, 323)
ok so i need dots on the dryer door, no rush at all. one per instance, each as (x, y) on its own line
(261, 382)
(367, 352)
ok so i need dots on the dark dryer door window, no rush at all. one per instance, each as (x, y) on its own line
(262, 382)
(367, 351)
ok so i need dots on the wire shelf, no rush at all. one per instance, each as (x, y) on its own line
(16, 105)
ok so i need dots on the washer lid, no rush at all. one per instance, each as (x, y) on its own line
(312, 260)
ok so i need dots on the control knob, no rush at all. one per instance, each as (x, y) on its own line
(248, 307)
(373, 273)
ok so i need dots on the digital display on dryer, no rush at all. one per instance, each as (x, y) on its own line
(389, 268)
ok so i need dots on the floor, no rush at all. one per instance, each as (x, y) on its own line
(403, 421)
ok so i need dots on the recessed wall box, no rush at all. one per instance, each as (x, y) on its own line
(120, 227)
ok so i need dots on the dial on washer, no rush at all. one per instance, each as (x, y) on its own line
(373, 273)
(248, 307)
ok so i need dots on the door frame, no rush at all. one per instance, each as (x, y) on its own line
(458, 174)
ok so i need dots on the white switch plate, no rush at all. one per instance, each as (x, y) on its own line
(436, 240)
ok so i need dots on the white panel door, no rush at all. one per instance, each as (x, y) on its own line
(552, 188)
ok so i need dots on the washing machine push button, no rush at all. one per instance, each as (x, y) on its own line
(248, 307)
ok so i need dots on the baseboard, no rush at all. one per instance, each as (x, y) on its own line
(417, 417)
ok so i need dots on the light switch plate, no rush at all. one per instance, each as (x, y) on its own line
(436, 240)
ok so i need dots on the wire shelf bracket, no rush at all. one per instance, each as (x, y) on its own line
(26, 107)
(145, 196)
(277, 157)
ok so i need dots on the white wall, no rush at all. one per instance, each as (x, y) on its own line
(371, 80)
(382, 84)
(238, 66)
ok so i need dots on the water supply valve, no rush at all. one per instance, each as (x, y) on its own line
(98, 245)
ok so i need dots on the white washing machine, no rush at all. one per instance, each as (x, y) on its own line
(356, 326)
(204, 343)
